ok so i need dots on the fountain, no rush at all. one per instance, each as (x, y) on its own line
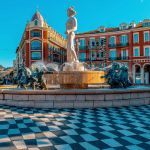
(74, 73)
(76, 76)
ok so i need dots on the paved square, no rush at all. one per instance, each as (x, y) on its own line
(125, 128)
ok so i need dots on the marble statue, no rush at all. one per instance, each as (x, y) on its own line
(71, 27)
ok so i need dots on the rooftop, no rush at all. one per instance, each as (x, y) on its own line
(37, 16)
(122, 26)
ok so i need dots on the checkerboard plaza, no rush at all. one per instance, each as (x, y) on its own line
(74, 129)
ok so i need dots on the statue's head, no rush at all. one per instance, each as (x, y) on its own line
(71, 12)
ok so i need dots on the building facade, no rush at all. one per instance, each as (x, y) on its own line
(40, 43)
(128, 44)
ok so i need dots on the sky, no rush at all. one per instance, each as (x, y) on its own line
(91, 14)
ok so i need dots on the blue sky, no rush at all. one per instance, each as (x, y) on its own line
(90, 13)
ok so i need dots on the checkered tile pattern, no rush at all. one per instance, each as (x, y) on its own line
(77, 129)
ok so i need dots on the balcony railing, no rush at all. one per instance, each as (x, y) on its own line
(118, 58)
(36, 48)
(35, 35)
(123, 44)
(118, 45)
(90, 59)
(90, 47)
(112, 45)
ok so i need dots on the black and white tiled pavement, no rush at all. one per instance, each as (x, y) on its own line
(77, 129)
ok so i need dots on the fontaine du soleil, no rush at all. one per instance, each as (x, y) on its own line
(73, 73)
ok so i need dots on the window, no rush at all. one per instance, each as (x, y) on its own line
(146, 36)
(102, 29)
(136, 52)
(36, 45)
(82, 56)
(113, 54)
(146, 24)
(124, 39)
(101, 55)
(82, 43)
(112, 40)
(49, 46)
(102, 41)
(36, 56)
(35, 22)
(147, 51)
(124, 54)
(35, 33)
(136, 37)
(93, 55)
(92, 43)
(123, 26)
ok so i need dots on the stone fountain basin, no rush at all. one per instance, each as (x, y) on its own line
(76, 79)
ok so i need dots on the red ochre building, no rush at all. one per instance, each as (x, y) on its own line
(128, 44)
(40, 43)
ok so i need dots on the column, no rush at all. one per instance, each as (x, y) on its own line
(142, 74)
(133, 73)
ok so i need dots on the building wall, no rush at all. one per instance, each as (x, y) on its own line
(132, 61)
(47, 37)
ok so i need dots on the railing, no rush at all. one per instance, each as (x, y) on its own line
(118, 58)
(90, 47)
(83, 47)
(36, 48)
(101, 47)
(124, 58)
(122, 44)
(96, 59)
(35, 35)
(118, 45)
(58, 51)
(112, 45)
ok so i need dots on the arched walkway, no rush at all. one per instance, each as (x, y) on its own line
(147, 74)
(137, 74)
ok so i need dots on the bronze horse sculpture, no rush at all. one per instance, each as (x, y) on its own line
(28, 79)
(117, 76)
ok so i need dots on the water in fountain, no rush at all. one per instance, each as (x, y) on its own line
(52, 67)
(38, 65)
(73, 66)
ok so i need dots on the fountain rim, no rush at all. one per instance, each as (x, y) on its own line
(75, 91)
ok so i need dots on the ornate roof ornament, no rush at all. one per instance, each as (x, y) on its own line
(37, 16)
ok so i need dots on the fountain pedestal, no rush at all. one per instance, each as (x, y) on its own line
(76, 79)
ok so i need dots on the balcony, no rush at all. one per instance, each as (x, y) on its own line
(123, 45)
(112, 45)
(91, 60)
(90, 47)
(124, 58)
(36, 48)
(118, 45)
(118, 58)
(83, 47)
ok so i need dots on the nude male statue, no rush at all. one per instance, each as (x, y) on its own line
(71, 27)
